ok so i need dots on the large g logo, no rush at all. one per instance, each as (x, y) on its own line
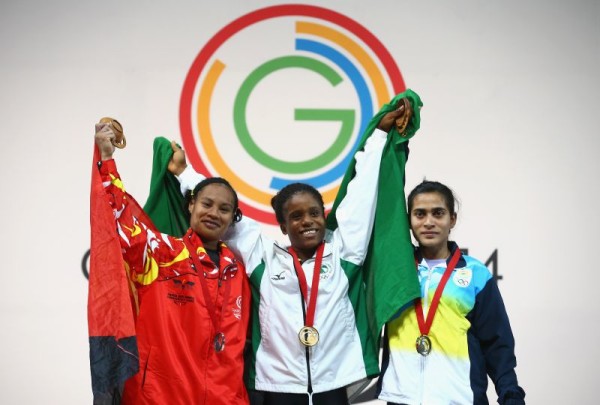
(346, 117)
(299, 87)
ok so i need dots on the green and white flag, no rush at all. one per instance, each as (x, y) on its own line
(165, 204)
(389, 269)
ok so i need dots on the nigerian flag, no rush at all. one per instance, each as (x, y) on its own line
(165, 204)
(389, 268)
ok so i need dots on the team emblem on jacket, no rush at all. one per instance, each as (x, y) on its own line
(462, 277)
(326, 271)
(178, 291)
(237, 312)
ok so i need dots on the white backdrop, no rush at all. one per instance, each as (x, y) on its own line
(510, 122)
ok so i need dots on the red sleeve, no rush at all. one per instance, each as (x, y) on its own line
(143, 246)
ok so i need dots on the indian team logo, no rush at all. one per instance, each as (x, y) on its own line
(462, 277)
(282, 95)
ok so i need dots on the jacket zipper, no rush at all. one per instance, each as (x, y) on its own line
(306, 349)
(422, 383)
(425, 302)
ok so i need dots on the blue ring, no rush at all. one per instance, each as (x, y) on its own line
(366, 106)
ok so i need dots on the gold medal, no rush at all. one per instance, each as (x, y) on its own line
(309, 336)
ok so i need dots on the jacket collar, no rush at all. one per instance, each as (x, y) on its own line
(226, 255)
(282, 250)
(452, 246)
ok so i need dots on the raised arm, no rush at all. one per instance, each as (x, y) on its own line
(356, 212)
(187, 176)
(104, 138)
(245, 237)
(140, 242)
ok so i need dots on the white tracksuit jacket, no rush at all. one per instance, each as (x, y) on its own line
(345, 353)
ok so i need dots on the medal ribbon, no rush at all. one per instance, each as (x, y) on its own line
(425, 326)
(311, 305)
(210, 305)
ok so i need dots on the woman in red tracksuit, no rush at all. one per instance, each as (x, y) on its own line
(192, 296)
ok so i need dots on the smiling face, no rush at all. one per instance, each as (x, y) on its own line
(212, 213)
(431, 222)
(304, 223)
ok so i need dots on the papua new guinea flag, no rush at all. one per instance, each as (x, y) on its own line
(113, 345)
(389, 268)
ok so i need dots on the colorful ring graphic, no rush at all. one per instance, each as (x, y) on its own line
(312, 38)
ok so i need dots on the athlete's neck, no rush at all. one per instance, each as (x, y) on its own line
(435, 252)
(304, 254)
(211, 245)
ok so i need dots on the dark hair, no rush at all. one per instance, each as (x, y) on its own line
(283, 195)
(432, 187)
(191, 194)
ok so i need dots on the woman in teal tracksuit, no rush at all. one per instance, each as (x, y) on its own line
(446, 355)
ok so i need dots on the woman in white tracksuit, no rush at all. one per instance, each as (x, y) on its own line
(289, 365)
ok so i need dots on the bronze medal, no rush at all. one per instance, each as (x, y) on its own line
(219, 342)
(309, 336)
(225, 275)
(423, 345)
(119, 141)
